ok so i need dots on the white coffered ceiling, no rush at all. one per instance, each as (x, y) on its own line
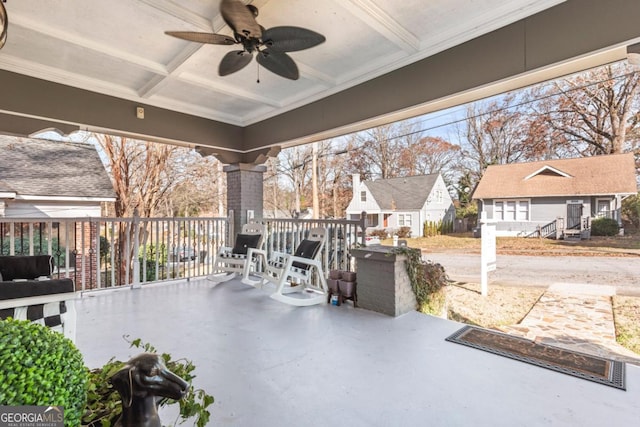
(118, 47)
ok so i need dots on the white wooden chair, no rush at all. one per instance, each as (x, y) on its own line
(232, 261)
(300, 273)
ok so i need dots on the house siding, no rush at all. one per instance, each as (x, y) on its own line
(21, 209)
(542, 211)
(432, 210)
(357, 206)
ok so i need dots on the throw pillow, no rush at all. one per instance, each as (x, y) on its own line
(244, 242)
(306, 249)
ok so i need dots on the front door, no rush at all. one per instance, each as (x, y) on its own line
(574, 213)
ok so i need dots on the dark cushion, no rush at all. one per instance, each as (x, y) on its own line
(306, 249)
(10, 290)
(244, 242)
(25, 267)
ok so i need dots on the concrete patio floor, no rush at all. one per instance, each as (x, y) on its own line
(269, 364)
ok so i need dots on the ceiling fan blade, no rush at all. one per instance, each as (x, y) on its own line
(4, 24)
(240, 18)
(279, 63)
(234, 61)
(291, 39)
(210, 38)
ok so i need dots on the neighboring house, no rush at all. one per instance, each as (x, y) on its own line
(41, 178)
(524, 196)
(285, 214)
(401, 202)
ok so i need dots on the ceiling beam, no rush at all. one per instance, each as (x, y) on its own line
(383, 23)
(101, 48)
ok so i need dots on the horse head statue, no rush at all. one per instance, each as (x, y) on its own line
(140, 382)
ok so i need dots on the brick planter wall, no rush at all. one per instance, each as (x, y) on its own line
(383, 283)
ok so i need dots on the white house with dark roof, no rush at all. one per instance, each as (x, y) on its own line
(521, 197)
(401, 202)
(41, 178)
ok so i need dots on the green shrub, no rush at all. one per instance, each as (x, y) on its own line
(154, 252)
(22, 246)
(604, 227)
(467, 211)
(437, 228)
(41, 367)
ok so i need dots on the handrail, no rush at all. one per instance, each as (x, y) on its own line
(101, 252)
(284, 235)
(545, 230)
(104, 253)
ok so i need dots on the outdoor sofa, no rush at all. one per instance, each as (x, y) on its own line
(28, 292)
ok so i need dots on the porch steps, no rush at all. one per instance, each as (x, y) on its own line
(572, 234)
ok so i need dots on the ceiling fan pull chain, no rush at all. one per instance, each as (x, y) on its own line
(258, 71)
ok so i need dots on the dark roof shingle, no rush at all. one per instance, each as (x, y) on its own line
(37, 167)
(408, 193)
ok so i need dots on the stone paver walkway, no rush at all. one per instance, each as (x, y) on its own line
(576, 317)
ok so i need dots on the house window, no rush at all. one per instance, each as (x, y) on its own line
(404, 220)
(511, 210)
(522, 214)
(363, 196)
(604, 209)
(372, 220)
(498, 211)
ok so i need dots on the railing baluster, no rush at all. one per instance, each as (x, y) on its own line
(161, 243)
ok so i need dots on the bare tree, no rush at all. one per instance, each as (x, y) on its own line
(592, 113)
(140, 173)
(430, 155)
(295, 164)
(377, 152)
(201, 186)
(494, 132)
(141, 177)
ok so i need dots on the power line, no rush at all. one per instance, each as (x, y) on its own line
(497, 110)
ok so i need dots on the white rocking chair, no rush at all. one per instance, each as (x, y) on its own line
(232, 261)
(293, 273)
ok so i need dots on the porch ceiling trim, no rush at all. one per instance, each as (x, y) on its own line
(570, 37)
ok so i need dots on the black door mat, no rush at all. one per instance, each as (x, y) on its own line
(585, 366)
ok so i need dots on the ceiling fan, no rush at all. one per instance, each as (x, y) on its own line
(4, 23)
(270, 46)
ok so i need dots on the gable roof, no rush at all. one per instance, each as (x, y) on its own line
(597, 175)
(38, 167)
(408, 193)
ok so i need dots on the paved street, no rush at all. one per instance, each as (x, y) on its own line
(623, 273)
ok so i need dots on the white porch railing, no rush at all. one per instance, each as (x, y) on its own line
(106, 253)
(284, 235)
(102, 253)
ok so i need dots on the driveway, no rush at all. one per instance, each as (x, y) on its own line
(622, 272)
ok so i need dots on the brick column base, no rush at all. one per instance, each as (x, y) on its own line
(244, 192)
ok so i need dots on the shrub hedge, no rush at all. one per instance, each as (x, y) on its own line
(41, 367)
(604, 227)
